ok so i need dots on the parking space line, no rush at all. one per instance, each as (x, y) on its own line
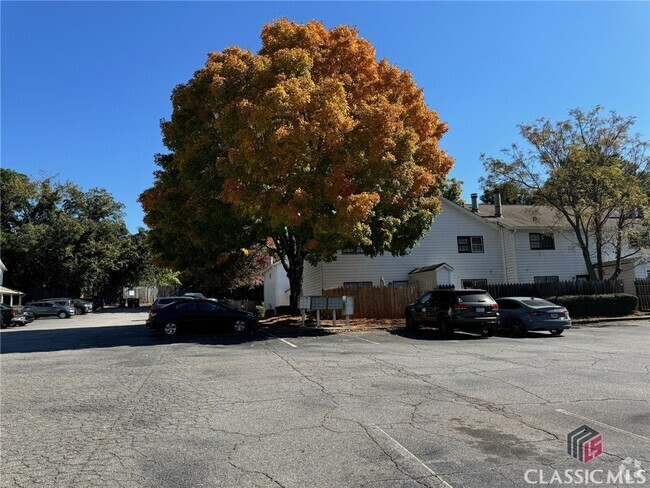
(285, 341)
(366, 340)
(571, 414)
(433, 473)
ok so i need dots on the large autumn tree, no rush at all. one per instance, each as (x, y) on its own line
(593, 170)
(312, 142)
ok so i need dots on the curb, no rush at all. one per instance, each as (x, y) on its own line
(594, 320)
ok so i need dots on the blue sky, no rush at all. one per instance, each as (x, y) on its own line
(84, 84)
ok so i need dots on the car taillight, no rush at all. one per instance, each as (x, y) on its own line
(565, 312)
(461, 306)
(13, 312)
(494, 306)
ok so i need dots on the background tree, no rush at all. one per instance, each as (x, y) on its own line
(452, 190)
(512, 193)
(55, 235)
(312, 142)
(593, 171)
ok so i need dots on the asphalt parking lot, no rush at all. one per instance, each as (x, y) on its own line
(100, 400)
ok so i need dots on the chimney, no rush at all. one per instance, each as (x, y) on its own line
(497, 205)
(474, 202)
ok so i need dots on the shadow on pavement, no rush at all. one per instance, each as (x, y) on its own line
(49, 340)
(434, 335)
(113, 309)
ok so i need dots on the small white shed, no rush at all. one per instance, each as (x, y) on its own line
(276, 287)
(429, 277)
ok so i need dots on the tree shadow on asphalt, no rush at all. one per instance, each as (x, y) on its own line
(116, 310)
(25, 340)
(434, 335)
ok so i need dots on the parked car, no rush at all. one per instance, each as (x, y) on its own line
(163, 301)
(23, 316)
(200, 296)
(449, 310)
(48, 308)
(200, 315)
(522, 314)
(7, 314)
(67, 302)
(82, 306)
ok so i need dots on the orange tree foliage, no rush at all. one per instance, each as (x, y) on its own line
(314, 142)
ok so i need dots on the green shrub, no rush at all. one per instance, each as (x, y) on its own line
(614, 305)
(259, 310)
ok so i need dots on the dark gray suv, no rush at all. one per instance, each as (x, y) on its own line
(467, 310)
(45, 308)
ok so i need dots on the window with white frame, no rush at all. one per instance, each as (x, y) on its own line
(470, 244)
(540, 241)
(546, 279)
(352, 250)
(357, 284)
(474, 283)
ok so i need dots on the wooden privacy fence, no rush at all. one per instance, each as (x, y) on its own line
(643, 293)
(147, 294)
(554, 289)
(382, 302)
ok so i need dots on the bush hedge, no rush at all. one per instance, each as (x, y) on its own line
(614, 305)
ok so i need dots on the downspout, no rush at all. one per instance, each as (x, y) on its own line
(503, 229)
(503, 251)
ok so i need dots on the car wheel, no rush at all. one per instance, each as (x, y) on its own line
(170, 329)
(557, 332)
(518, 328)
(63, 315)
(446, 329)
(487, 331)
(411, 324)
(240, 326)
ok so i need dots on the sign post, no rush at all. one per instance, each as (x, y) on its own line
(334, 304)
(304, 303)
(348, 308)
(318, 304)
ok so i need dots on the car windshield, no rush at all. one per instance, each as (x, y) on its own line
(538, 302)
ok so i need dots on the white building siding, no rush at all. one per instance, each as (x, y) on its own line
(269, 288)
(565, 261)
(510, 255)
(276, 283)
(439, 245)
(311, 280)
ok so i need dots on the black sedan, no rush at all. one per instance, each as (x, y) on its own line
(200, 315)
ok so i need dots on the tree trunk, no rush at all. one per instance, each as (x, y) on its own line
(295, 283)
(292, 256)
(599, 253)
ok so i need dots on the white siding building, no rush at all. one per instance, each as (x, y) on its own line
(469, 246)
(276, 286)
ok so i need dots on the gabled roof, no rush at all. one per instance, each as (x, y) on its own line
(431, 268)
(521, 216)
